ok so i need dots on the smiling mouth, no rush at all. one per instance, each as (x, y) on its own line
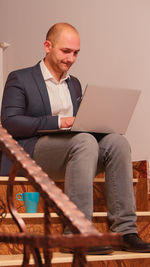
(68, 65)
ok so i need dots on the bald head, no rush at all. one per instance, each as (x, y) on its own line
(57, 29)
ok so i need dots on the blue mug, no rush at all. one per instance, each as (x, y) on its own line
(31, 200)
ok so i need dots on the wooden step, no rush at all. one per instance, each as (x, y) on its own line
(34, 223)
(22, 184)
(16, 260)
(23, 179)
(54, 215)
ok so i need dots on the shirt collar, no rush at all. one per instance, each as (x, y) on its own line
(47, 74)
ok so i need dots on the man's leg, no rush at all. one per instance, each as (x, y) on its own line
(115, 158)
(73, 156)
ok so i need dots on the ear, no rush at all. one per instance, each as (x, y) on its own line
(47, 46)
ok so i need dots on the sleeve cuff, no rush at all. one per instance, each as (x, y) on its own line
(59, 117)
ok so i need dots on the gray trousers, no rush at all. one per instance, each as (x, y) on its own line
(78, 158)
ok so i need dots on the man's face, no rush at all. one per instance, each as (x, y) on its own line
(63, 53)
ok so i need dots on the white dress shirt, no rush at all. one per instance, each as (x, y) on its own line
(59, 95)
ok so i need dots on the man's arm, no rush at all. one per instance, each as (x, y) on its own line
(21, 114)
(23, 111)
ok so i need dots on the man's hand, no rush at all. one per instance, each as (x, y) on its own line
(66, 122)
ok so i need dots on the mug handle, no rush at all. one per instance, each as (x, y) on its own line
(19, 194)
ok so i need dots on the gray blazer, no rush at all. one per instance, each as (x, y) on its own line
(26, 108)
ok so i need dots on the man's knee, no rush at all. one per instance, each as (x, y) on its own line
(116, 142)
(85, 141)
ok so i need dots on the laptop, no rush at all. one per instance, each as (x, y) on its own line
(103, 110)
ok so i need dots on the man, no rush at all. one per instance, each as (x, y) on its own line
(47, 97)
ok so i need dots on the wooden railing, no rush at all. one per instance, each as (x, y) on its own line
(84, 233)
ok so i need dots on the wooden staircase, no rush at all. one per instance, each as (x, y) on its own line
(11, 253)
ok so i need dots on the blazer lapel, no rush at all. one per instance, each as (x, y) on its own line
(73, 95)
(38, 77)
